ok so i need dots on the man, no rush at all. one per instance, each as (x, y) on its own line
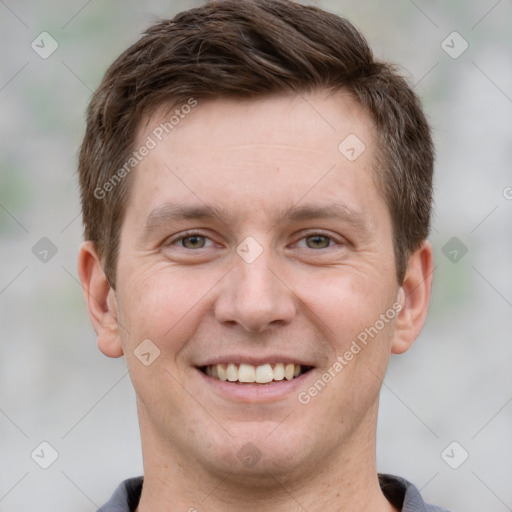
(256, 194)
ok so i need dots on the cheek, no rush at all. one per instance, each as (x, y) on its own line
(357, 319)
(164, 304)
(345, 302)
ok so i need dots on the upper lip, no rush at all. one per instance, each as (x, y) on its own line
(255, 360)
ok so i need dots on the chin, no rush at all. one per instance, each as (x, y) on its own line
(257, 452)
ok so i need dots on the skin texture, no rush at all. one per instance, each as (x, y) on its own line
(299, 300)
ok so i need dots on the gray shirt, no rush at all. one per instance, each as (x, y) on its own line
(401, 493)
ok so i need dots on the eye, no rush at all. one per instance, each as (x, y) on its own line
(193, 241)
(317, 241)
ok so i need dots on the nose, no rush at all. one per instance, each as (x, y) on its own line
(254, 296)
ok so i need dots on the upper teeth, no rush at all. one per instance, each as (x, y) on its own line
(249, 373)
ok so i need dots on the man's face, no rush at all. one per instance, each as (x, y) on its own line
(251, 239)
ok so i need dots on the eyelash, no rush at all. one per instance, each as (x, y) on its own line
(189, 234)
(331, 238)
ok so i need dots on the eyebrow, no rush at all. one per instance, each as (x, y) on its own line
(168, 213)
(335, 211)
(175, 212)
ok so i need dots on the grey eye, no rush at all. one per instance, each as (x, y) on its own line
(318, 241)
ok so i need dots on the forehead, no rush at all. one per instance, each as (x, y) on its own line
(257, 155)
(312, 120)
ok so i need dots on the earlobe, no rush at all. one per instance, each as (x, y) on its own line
(100, 299)
(414, 295)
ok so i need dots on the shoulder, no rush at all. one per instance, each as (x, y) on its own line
(404, 495)
(126, 497)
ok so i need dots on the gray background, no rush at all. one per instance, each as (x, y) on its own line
(454, 384)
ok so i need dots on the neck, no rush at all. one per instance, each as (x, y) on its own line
(324, 493)
(344, 480)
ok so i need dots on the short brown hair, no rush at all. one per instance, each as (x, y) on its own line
(247, 49)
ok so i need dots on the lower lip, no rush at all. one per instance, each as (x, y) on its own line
(256, 392)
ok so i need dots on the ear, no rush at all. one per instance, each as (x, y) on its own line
(100, 299)
(414, 295)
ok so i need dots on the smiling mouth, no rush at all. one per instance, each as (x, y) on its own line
(249, 374)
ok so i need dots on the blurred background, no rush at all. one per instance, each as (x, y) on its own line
(446, 412)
